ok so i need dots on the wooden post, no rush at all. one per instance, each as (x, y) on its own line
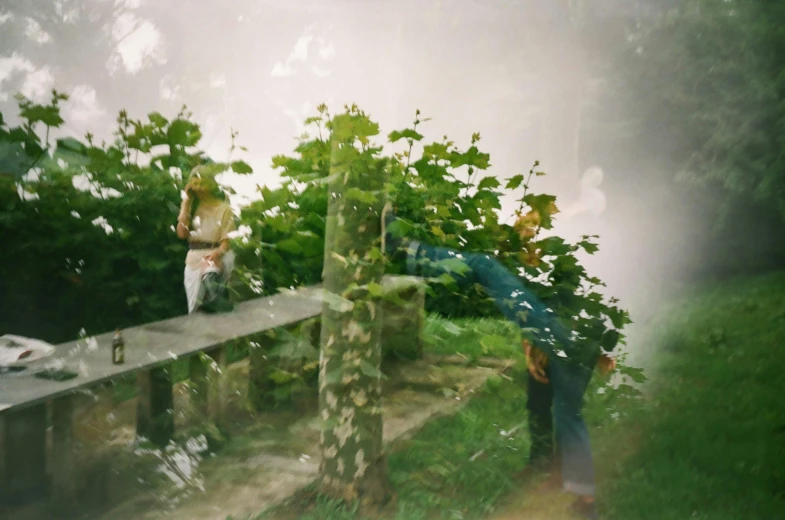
(155, 406)
(62, 462)
(23, 466)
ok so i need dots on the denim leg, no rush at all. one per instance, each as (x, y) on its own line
(512, 298)
(570, 381)
(539, 404)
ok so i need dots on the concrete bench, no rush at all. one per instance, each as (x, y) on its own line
(28, 403)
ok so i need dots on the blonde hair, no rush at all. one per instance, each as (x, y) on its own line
(204, 172)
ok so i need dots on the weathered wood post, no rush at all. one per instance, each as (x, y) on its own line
(353, 464)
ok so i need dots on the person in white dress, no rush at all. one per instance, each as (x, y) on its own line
(205, 220)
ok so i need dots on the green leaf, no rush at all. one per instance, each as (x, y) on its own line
(610, 339)
(281, 376)
(555, 246)
(157, 119)
(488, 182)
(275, 198)
(408, 133)
(241, 167)
(348, 127)
(589, 247)
(72, 151)
(514, 182)
(48, 115)
(455, 265)
(375, 290)
(438, 151)
(183, 132)
(289, 245)
(366, 197)
(14, 160)
(294, 348)
(472, 157)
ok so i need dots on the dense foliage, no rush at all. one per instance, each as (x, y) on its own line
(90, 243)
(444, 195)
(88, 236)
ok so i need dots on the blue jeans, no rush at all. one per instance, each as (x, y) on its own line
(569, 380)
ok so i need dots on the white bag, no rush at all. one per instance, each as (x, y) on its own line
(18, 350)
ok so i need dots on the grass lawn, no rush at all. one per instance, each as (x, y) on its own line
(707, 442)
(457, 467)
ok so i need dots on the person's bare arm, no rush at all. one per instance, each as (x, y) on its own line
(536, 361)
(606, 364)
(183, 220)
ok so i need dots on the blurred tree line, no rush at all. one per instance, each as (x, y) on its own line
(696, 89)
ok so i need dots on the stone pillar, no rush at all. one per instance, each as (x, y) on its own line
(62, 498)
(155, 405)
(23, 454)
(208, 385)
(260, 366)
(403, 312)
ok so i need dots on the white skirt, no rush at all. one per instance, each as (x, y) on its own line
(192, 277)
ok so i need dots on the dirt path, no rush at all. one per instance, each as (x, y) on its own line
(538, 499)
(269, 458)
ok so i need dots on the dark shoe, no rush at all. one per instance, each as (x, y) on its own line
(585, 509)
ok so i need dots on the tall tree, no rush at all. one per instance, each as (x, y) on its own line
(353, 465)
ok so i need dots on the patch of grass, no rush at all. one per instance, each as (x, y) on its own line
(455, 467)
(472, 337)
(709, 443)
(460, 467)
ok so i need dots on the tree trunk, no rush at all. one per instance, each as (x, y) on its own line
(353, 465)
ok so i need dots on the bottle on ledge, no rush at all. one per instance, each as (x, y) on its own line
(118, 348)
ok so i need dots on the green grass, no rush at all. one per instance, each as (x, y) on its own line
(709, 443)
(456, 467)
(473, 338)
(460, 466)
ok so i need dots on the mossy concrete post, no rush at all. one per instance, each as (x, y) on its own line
(261, 387)
(62, 499)
(353, 465)
(403, 311)
(23, 454)
(208, 383)
(155, 405)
